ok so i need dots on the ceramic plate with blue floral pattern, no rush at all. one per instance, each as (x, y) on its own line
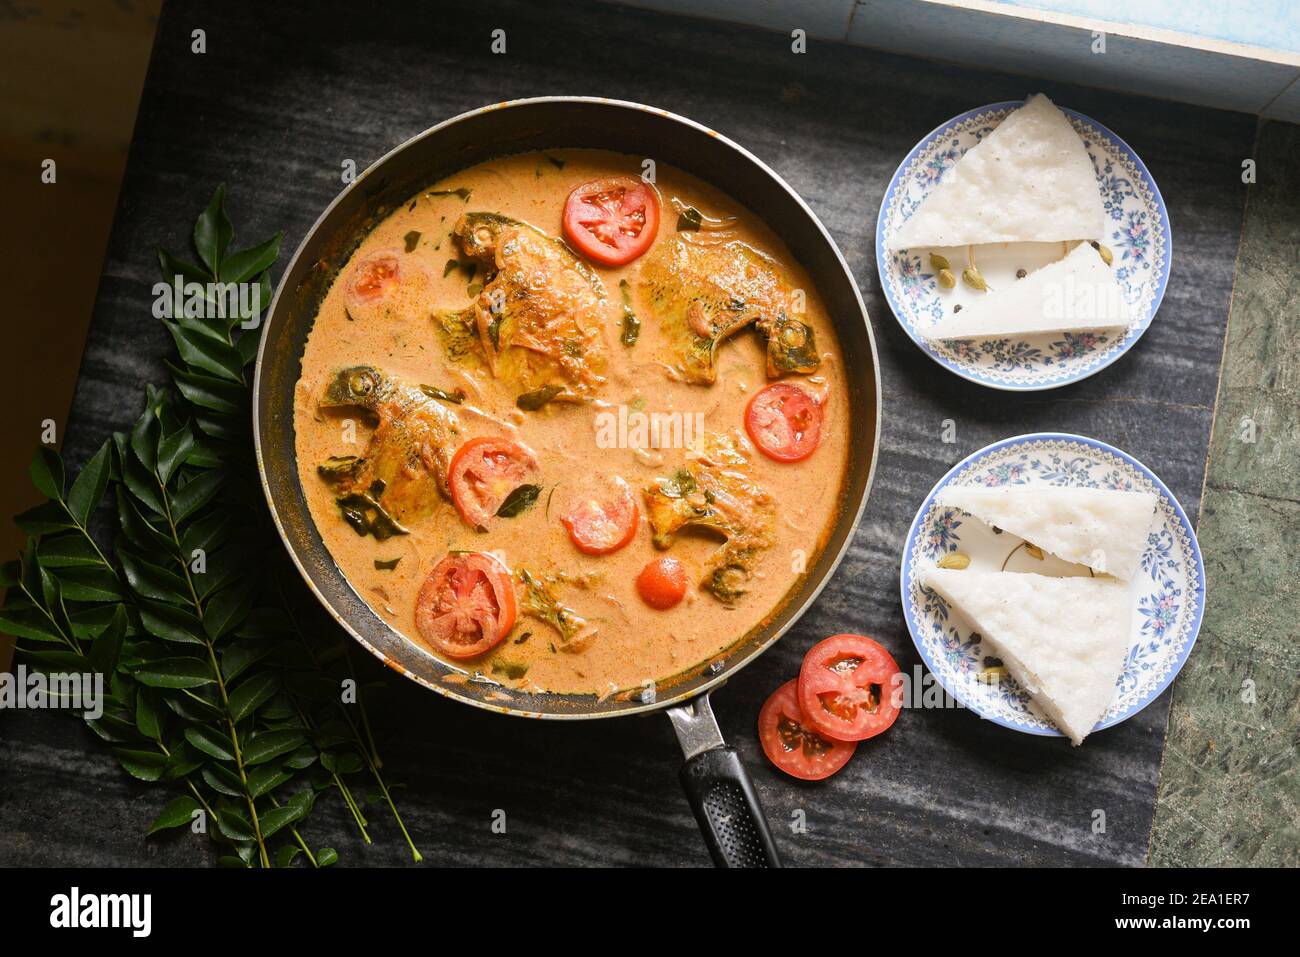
(1137, 235)
(1168, 590)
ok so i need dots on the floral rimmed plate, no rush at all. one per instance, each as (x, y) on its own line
(1168, 590)
(1137, 234)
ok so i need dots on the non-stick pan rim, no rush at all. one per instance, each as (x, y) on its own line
(451, 691)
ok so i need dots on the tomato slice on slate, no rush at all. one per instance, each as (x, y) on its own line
(466, 605)
(785, 422)
(600, 523)
(373, 278)
(846, 687)
(612, 221)
(662, 583)
(483, 473)
(792, 745)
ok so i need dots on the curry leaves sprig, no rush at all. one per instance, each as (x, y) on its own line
(224, 418)
(209, 688)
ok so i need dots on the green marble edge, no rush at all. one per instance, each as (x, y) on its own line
(1229, 790)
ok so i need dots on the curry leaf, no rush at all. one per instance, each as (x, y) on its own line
(226, 609)
(89, 621)
(209, 355)
(144, 440)
(235, 824)
(209, 392)
(89, 584)
(247, 263)
(149, 581)
(145, 765)
(266, 778)
(27, 621)
(174, 673)
(45, 518)
(279, 818)
(138, 530)
(90, 484)
(61, 551)
(170, 623)
(213, 232)
(268, 745)
(253, 693)
(211, 742)
(178, 812)
(142, 485)
(173, 267)
(173, 450)
(457, 396)
(242, 654)
(532, 401)
(196, 493)
(107, 647)
(114, 730)
(148, 720)
(47, 472)
(518, 501)
(182, 763)
(222, 780)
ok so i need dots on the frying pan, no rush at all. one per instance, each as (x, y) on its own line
(720, 793)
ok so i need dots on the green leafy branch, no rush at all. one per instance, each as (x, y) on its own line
(215, 686)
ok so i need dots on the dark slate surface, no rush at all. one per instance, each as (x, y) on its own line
(286, 92)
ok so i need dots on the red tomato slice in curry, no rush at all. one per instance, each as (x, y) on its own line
(785, 422)
(373, 278)
(612, 221)
(662, 583)
(466, 605)
(846, 687)
(483, 472)
(603, 523)
(792, 745)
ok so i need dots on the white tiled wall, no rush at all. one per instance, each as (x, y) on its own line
(1240, 55)
(1270, 24)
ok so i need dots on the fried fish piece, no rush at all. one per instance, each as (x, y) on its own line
(713, 491)
(538, 321)
(704, 293)
(404, 467)
(539, 600)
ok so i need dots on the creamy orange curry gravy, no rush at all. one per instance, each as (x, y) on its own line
(625, 642)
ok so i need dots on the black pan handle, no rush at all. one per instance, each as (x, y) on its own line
(720, 792)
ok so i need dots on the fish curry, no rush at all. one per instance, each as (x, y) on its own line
(571, 430)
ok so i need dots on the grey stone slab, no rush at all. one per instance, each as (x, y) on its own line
(287, 91)
(1230, 780)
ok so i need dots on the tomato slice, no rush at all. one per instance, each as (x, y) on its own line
(599, 524)
(483, 472)
(373, 278)
(785, 422)
(792, 745)
(662, 583)
(612, 221)
(846, 687)
(466, 605)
